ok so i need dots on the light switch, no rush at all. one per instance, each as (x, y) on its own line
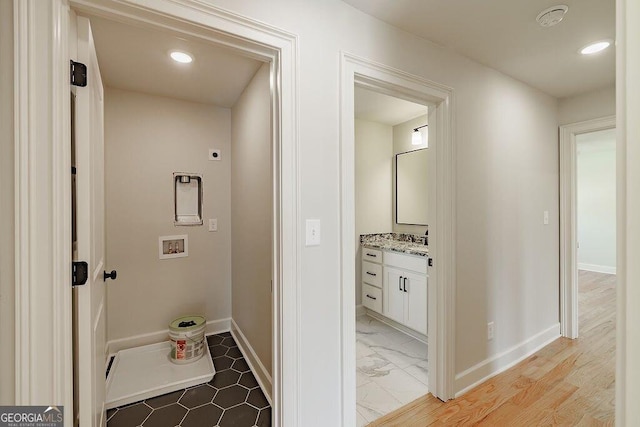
(545, 218)
(213, 224)
(313, 232)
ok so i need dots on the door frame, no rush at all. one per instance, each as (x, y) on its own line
(43, 184)
(568, 220)
(441, 294)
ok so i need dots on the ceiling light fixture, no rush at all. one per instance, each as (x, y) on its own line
(595, 47)
(552, 16)
(181, 57)
(420, 138)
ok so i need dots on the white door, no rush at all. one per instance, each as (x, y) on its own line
(416, 302)
(90, 297)
(393, 294)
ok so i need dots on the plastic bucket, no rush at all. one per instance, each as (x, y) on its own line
(187, 339)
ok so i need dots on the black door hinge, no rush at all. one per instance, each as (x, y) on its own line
(79, 273)
(78, 74)
(430, 262)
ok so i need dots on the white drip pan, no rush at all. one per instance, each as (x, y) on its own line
(143, 372)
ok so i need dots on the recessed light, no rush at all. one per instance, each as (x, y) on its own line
(595, 47)
(181, 57)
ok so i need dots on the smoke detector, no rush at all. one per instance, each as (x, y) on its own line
(552, 16)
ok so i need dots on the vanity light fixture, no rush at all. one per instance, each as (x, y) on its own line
(181, 57)
(420, 138)
(595, 47)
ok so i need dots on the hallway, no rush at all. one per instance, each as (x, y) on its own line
(569, 382)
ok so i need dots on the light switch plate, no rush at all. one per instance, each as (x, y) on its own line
(545, 217)
(213, 224)
(215, 154)
(313, 232)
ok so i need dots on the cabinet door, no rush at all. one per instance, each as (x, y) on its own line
(393, 294)
(416, 302)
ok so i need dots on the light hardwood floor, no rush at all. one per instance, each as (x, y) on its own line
(567, 383)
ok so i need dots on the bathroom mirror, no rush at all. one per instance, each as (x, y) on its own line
(411, 187)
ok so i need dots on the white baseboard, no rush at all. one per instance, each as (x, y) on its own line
(114, 346)
(262, 375)
(597, 268)
(360, 310)
(491, 367)
(395, 325)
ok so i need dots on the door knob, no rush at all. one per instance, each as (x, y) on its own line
(111, 275)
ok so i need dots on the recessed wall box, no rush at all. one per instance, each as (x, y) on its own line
(187, 198)
(173, 246)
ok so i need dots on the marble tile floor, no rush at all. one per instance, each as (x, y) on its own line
(391, 369)
(232, 398)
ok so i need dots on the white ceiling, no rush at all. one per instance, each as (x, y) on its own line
(504, 34)
(380, 108)
(137, 59)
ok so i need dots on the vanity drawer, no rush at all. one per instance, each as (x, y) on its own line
(373, 255)
(372, 297)
(372, 273)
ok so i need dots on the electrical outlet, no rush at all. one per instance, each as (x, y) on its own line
(213, 224)
(490, 330)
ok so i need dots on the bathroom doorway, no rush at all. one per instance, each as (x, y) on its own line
(437, 323)
(391, 219)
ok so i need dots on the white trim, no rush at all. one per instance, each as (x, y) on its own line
(568, 220)
(382, 78)
(42, 200)
(397, 326)
(488, 368)
(114, 346)
(606, 269)
(43, 294)
(257, 367)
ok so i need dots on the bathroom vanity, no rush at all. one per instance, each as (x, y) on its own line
(395, 278)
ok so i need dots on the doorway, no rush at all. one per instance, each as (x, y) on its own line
(588, 248)
(441, 291)
(392, 167)
(209, 23)
(569, 257)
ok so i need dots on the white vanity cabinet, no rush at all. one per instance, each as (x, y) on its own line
(396, 286)
(405, 298)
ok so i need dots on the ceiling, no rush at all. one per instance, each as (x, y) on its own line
(137, 59)
(385, 109)
(504, 35)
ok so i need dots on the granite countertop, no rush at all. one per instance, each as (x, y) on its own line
(397, 242)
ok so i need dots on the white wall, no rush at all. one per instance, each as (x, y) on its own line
(7, 284)
(373, 183)
(596, 201)
(506, 140)
(506, 175)
(147, 138)
(401, 144)
(587, 106)
(251, 213)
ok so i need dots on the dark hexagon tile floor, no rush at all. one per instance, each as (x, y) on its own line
(232, 398)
